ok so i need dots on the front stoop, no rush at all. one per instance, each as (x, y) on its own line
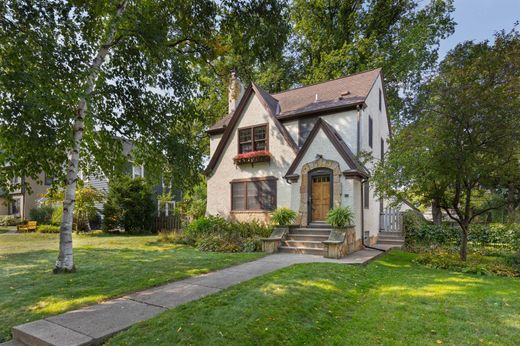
(305, 240)
(390, 240)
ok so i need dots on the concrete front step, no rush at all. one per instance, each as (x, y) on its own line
(322, 225)
(390, 241)
(313, 231)
(301, 250)
(307, 237)
(390, 235)
(303, 243)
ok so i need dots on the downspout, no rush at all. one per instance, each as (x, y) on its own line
(363, 181)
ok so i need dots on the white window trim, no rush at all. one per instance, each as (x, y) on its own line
(134, 171)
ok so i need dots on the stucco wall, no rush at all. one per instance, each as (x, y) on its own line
(288, 195)
(380, 130)
(213, 143)
(219, 188)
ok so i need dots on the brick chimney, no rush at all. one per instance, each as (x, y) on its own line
(235, 91)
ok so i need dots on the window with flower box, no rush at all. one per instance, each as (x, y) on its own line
(252, 139)
(255, 194)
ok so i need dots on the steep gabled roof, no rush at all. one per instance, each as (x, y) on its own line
(337, 94)
(271, 107)
(343, 149)
(351, 89)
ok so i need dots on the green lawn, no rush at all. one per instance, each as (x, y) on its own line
(389, 302)
(108, 266)
(4, 229)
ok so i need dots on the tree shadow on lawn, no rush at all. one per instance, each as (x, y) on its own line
(337, 304)
(29, 290)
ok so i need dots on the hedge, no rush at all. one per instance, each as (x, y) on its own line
(421, 233)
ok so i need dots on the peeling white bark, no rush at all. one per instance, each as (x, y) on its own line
(65, 261)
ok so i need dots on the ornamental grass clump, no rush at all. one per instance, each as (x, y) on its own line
(283, 217)
(340, 217)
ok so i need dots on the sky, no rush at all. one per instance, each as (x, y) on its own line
(479, 19)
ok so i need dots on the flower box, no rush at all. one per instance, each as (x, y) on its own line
(253, 157)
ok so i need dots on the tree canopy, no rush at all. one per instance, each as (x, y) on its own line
(462, 150)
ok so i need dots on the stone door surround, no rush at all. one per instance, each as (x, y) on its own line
(304, 187)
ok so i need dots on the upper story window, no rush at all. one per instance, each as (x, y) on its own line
(382, 157)
(252, 139)
(380, 100)
(137, 171)
(366, 195)
(304, 128)
(370, 131)
(48, 180)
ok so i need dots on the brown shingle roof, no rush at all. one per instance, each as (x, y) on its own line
(338, 93)
(355, 88)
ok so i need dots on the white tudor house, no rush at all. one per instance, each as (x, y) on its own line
(298, 149)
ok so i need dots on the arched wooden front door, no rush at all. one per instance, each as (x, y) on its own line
(321, 194)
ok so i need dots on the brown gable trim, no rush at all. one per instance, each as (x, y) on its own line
(304, 148)
(228, 131)
(216, 131)
(260, 94)
(342, 148)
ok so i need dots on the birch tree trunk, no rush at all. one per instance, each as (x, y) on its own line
(65, 261)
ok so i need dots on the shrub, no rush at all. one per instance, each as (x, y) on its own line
(42, 214)
(172, 237)
(431, 235)
(48, 229)
(476, 263)
(9, 220)
(340, 217)
(214, 233)
(56, 216)
(130, 205)
(283, 216)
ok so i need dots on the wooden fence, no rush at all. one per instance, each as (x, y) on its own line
(169, 222)
(391, 221)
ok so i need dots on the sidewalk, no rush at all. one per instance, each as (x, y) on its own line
(94, 324)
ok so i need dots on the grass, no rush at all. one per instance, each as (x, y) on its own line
(108, 266)
(392, 301)
(4, 229)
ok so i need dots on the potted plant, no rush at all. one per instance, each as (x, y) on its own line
(343, 237)
(340, 217)
(281, 218)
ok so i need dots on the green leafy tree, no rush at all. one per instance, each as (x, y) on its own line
(130, 206)
(338, 37)
(76, 76)
(463, 148)
(87, 197)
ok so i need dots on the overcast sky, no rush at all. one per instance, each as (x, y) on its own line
(480, 19)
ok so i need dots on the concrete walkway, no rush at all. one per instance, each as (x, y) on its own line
(95, 324)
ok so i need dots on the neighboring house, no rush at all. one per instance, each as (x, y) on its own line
(298, 149)
(21, 201)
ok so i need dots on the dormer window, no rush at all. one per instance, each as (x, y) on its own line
(252, 139)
